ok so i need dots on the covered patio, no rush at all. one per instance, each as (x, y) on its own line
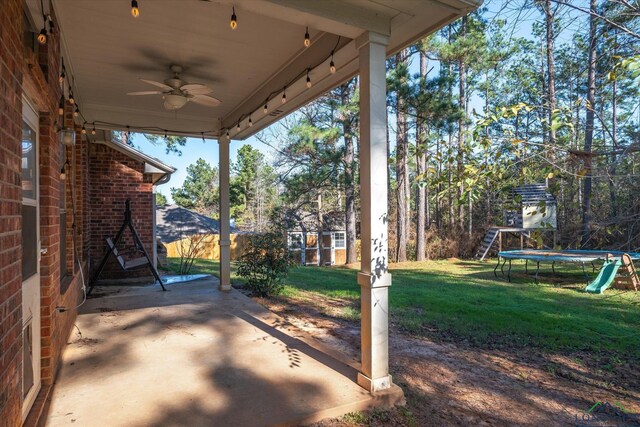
(207, 69)
(195, 355)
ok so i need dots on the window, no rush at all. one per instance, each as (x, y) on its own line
(339, 240)
(29, 201)
(295, 240)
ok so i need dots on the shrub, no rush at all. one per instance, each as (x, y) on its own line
(265, 264)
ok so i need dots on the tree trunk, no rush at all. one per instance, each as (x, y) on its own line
(401, 170)
(349, 178)
(588, 137)
(551, 75)
(462, 82)
(421, 167)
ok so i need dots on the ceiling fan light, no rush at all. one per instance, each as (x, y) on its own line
(175, 101)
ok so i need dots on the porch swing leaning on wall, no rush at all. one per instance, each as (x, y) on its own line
(126, 264)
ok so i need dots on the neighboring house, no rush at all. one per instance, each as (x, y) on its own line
(174, 222)
(302, 237)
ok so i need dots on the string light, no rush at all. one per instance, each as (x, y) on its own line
(76, 112)
(93, 131)
(51, 25)
(308, 79)
(266, 108)
(61, 106)
(234, 19)
(135, 11)
(71, 98)
(250, 122)
(284, 95)
(84, 130)
(227, 133)
(332, 65)
(202, 133)
(62, 76)
(238, 127)
(307, 39)
(42, 37)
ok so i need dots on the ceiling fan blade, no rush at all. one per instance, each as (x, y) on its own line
(146, 92)
(162, 85)
(208, 101)
(196, 89)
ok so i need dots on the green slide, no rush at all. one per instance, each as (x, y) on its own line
(605, 277)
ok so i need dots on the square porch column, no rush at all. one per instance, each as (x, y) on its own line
(373, 278)
(225, 238)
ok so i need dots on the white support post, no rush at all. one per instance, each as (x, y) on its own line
(225, 238)
(374, 278)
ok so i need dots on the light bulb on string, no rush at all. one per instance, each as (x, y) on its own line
(202, 133)
(234, 19)
(250, 122)
(332, 65)
(93, 131)
(62, 76)
(71, 98)
(84, 130)
(61, 106)
(284, 95)
(265, 110)
(135, 11)
(76, 112)
(238, 127)
(308, 79)
(42, 36)
(227, 133)
(51, 25)
(307, 39)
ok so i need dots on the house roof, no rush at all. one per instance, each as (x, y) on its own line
(174, 222)
(308, 221)
(159, 171)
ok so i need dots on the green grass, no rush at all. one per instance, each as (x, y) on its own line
(462, 300)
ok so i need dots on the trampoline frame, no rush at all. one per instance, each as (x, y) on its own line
(567, 256)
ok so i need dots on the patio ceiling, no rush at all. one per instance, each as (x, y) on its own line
(107, 51)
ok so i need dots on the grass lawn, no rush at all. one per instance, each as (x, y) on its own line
(455, 299)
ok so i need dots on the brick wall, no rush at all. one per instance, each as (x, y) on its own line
(36, 76)
(10, 211)
(115, 178)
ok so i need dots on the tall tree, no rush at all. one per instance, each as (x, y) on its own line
(589, 125)
(199, 190)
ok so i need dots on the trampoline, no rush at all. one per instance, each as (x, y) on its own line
(576, 256)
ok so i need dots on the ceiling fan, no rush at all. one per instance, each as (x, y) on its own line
(177, 92)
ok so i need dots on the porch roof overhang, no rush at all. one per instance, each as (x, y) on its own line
(107, 51)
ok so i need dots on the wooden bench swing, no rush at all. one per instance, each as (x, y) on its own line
(125, 264)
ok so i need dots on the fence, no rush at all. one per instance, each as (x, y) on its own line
(209, 247)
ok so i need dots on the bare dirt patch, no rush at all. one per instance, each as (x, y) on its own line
(450, 383)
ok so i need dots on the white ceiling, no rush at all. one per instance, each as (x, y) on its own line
(108, 51)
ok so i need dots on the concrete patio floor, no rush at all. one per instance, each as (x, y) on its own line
(195, 356)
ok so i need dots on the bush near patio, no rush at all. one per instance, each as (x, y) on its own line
(454, 300)
(265, 264)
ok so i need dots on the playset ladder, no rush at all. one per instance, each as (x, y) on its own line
(627, 277)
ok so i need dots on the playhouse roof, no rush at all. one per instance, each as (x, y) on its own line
(534, 193)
